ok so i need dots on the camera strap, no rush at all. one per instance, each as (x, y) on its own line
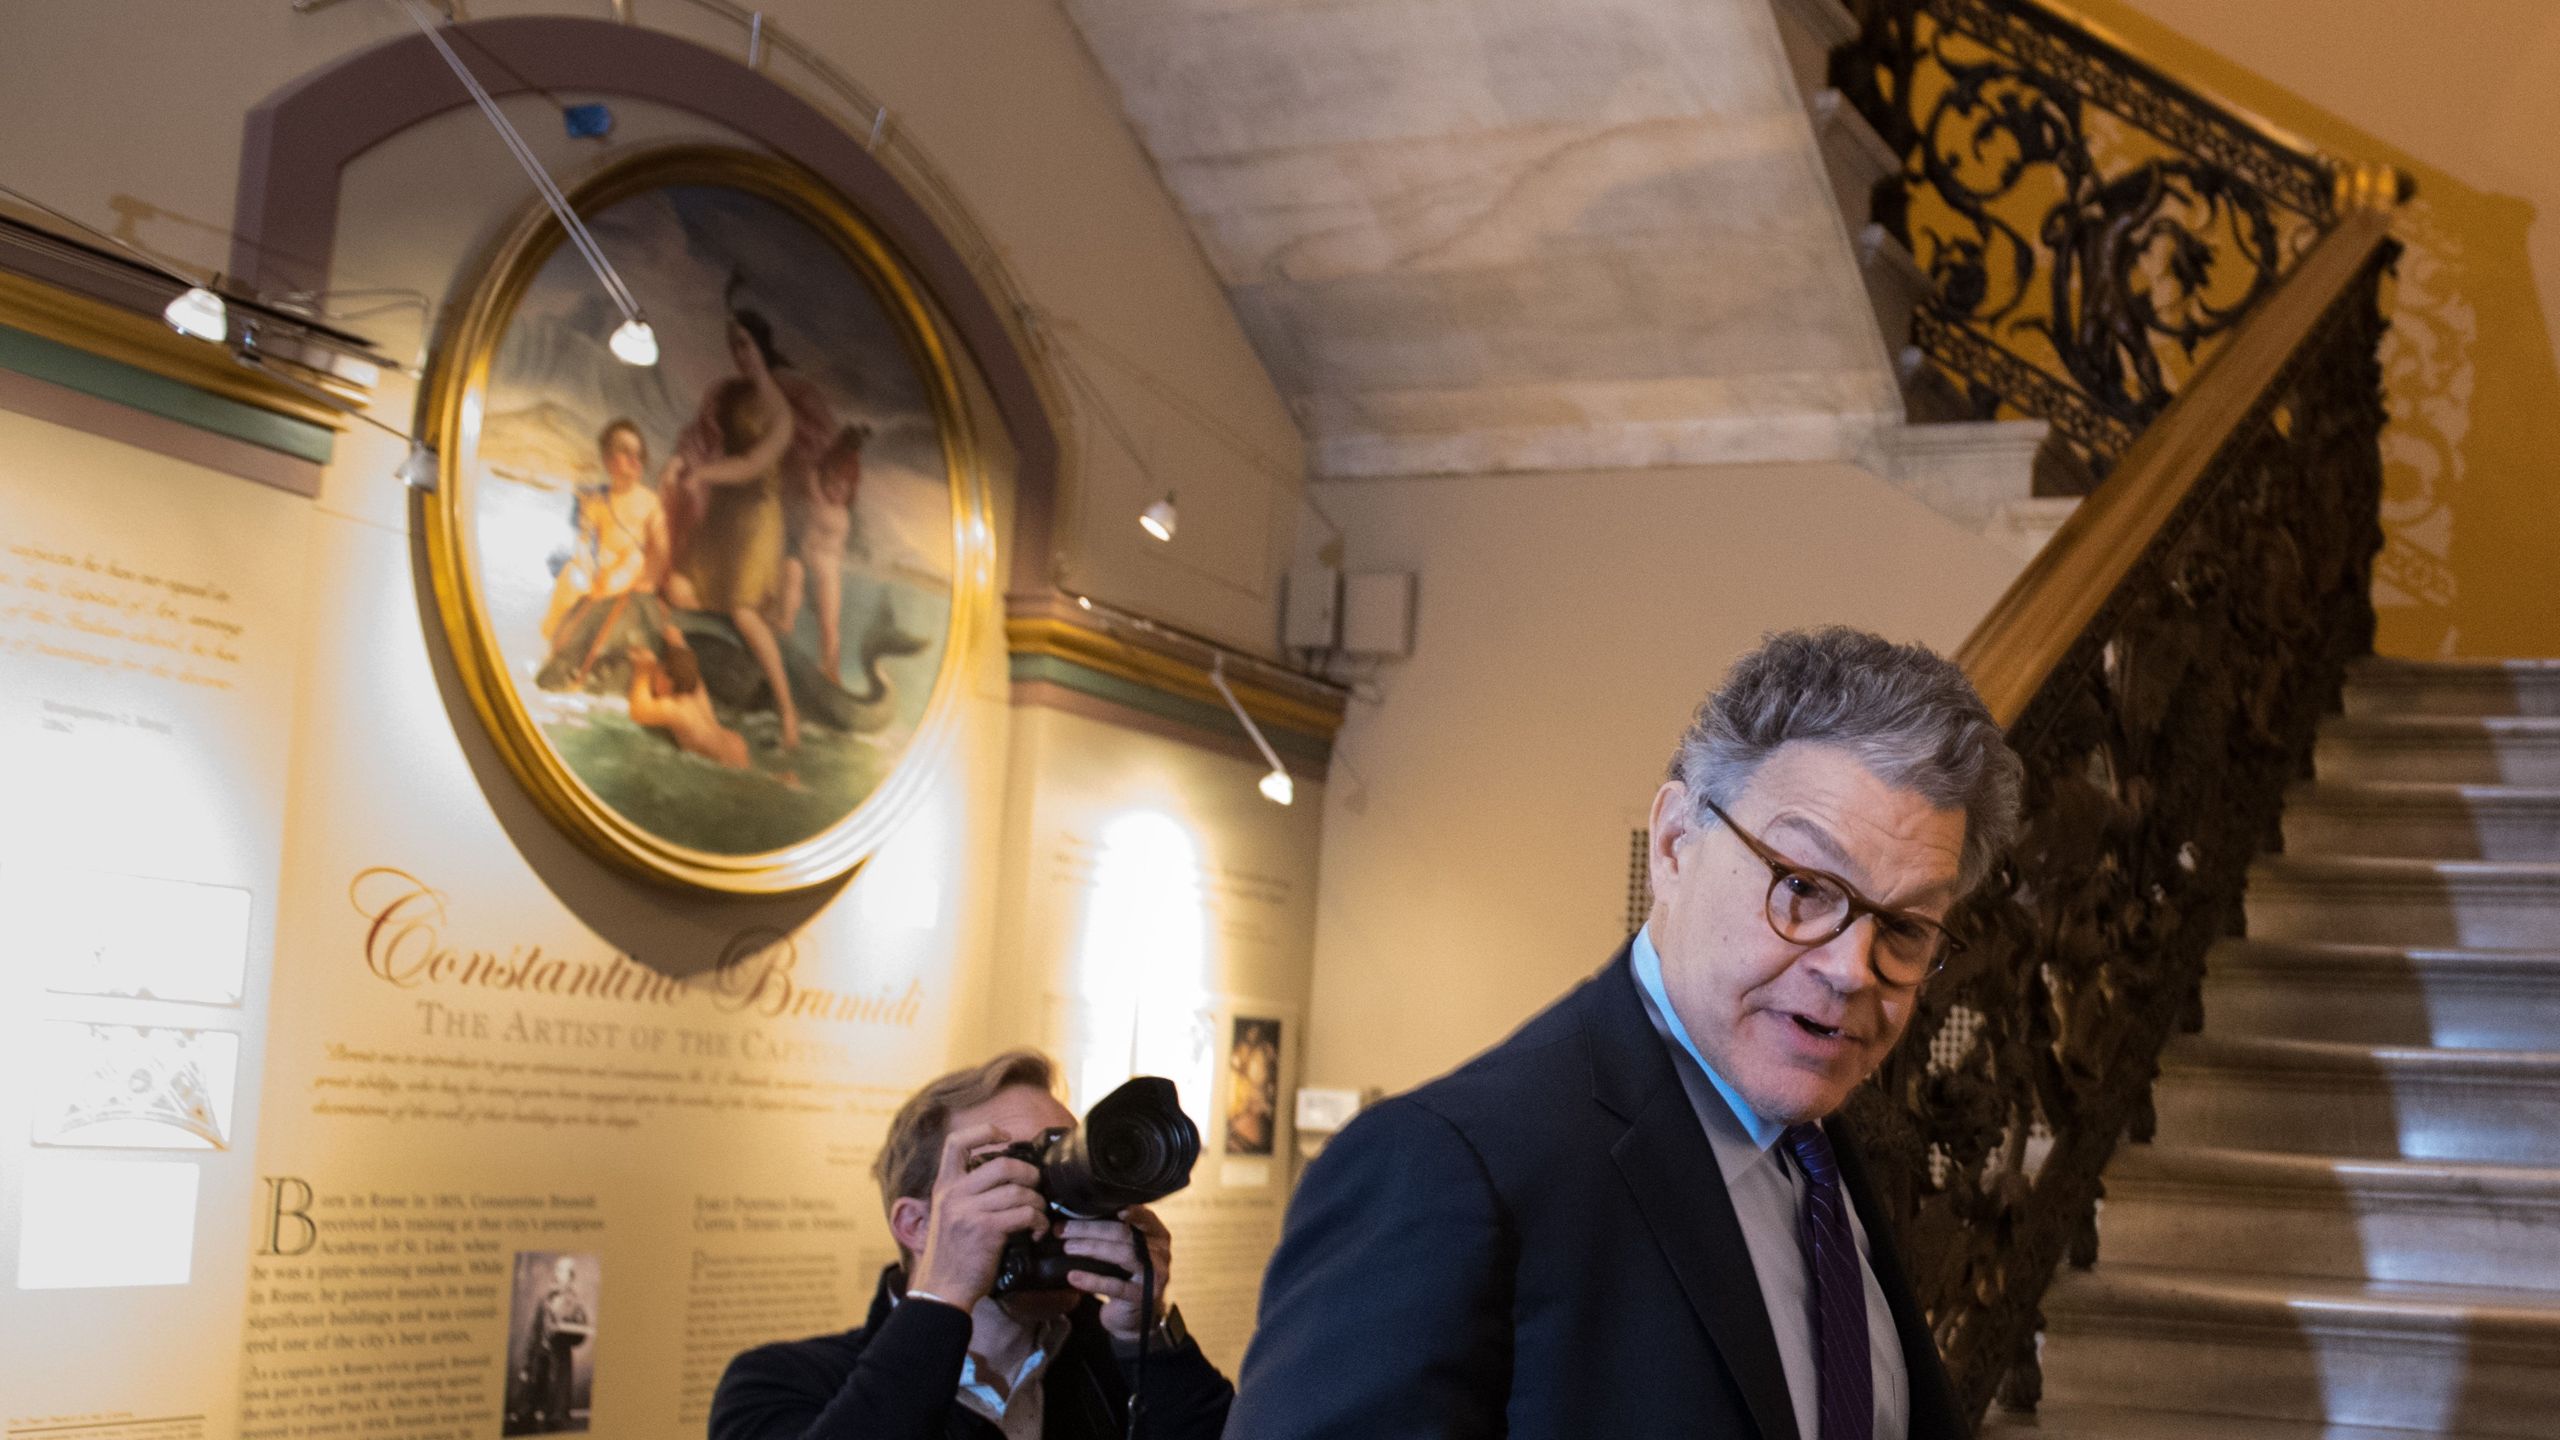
(1146, 1325)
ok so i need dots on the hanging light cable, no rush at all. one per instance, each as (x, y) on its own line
(1276, 787)
(417, 470)
(633, 342)
(197, 311)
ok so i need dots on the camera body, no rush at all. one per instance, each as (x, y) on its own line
(1136, 1147)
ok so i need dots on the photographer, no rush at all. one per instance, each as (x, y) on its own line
(940, 1356)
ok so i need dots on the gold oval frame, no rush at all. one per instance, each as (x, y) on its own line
(456, 384)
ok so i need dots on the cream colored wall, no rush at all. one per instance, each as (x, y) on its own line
(1476, 828)
(126, 114)
(2461, 96)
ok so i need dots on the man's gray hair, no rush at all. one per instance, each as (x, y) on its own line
(1905, 712)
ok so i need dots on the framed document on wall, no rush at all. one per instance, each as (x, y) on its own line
(712, 610)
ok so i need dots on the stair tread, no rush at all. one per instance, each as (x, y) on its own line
(2396, 794)
(2441, 727)
(2352, 871)
(2268, 1052)
(2402, 867)
(2337, 955)
(2339, 1175)
(2483, 1312)
(2387, 668)
(2063, 1420)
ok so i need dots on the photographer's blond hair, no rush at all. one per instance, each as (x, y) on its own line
(911, 1154)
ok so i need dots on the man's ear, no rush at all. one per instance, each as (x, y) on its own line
(907, 1217)
(1673, 820)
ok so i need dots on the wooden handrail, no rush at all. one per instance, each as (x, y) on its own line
(2069, 582)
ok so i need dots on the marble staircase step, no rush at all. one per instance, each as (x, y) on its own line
(2265, 1212)
(1852, 155)
(1811, 30)
(2453, 687)
(2384, 994)
(2064, 1421)
(2474, 904)
(1895, 285)
(2432, 1358)
(2480, 750)
(2315, 1097)
(1968, 471)
(2432, 821)
(2025, 525)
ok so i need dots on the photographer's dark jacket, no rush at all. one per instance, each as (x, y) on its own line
(898, 1378)
(1540, 1246)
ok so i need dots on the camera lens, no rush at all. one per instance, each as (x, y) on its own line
(1131, 1154)
(1136, 1148)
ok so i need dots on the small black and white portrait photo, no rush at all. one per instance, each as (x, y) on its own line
(551, 1368)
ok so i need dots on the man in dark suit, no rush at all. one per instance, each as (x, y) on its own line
(939, 1357)
(1628, 1219)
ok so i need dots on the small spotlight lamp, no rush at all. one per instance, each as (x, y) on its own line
(634, 343)
(1276, 786)
(418, 471)
(198, 313)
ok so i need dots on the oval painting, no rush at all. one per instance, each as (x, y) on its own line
(709, 606)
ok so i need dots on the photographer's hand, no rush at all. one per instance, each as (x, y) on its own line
(974, 1209)
(1113, 1243)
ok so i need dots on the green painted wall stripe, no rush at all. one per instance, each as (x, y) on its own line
(1181, 709)
(77, 369)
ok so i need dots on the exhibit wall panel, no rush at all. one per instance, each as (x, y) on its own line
(150, 631)
(513, 1141)
(1157, 917)
(560, 1142)
(490, 1055)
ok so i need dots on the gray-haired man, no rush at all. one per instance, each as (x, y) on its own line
(1628, 1219)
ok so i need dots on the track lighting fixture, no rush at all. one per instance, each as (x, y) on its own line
(633, 343)
(1158, 519)
(1276, 786)
(199, 313)
(418, 471)
(196, 311)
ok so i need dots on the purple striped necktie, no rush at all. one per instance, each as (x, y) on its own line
(1845, 1376)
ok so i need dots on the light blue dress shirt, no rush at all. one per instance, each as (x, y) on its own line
(1768, 1198)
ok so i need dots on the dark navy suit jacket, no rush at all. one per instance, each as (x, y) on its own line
(1539, 1244)
(897, 1377)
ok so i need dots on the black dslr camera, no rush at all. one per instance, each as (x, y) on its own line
(1135, 1148)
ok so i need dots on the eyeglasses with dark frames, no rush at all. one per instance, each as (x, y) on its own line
(1813, 907)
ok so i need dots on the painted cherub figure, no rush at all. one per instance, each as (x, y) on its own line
(668, 695)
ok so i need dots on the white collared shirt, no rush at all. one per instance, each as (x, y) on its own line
(1768, 1198)
(1017, 1407)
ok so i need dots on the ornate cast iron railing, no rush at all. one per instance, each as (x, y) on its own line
(2092, 228)
(2160, 666)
